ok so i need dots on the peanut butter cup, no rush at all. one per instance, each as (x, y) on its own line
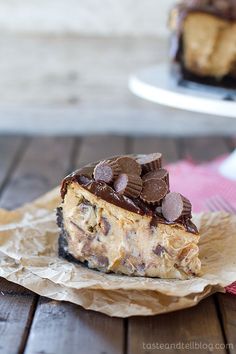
(154, 190)
(150, 162)
(129, 165)
(106, 171)
(129, 185)
(175, 205)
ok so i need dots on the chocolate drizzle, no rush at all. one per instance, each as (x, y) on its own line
(84, 177)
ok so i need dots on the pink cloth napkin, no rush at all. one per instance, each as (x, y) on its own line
(199, 182)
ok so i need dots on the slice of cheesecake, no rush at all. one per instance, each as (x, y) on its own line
(119, 216)
(204, 38)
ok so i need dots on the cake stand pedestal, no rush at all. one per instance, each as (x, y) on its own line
(156, 84)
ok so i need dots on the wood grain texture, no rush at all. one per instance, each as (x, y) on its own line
(167, 146)
(43, 165)
(10, 150)
(95, 147)
(16, 312)
(197, 325)
(203, 148)
(60, 328)
(227, 304)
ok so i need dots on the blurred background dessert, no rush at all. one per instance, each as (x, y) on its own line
(204, 39)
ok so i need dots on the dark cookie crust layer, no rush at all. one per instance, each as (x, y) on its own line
(63, 243)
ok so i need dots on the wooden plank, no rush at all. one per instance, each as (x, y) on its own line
(66, 328)
(15, 318)
(231, 143)
(227, 303)
(98, 147)
(8, 288)
(10, 149)
(203, 148)
(45, 162)
(197, 326)
(146, 145)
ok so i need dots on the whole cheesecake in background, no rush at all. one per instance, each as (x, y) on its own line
(118, 215)
(204, 40)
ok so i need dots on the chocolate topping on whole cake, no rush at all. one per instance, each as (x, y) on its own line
(225, 9)
(130, 192)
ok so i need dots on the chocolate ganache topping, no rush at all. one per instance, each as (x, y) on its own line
(225, 9)
(133, 190)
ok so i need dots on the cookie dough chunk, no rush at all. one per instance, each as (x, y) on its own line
(113, 232)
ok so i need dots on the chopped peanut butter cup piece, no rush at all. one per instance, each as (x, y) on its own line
(106, 171)
(154, 190)
(174, 206)
(150, 162)
(160, 174)
(129, 165)
(129, 185)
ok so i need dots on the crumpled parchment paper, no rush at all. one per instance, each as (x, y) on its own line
(28, 256)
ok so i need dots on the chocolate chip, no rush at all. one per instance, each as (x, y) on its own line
(106, 171)
(154, 190)
(174, 206)
(159, 250)
(105, 226)
(102, 261)
(160, 174)
(128, 185)
(129, 165)
(150, 162)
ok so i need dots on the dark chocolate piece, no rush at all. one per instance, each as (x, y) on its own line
(159, 250)
(154, 190)
(129, 185)
(106, 171)
(150, 162)
(105, 226)
(129, 165)
(175, 206)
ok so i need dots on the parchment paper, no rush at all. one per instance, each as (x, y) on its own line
(28, 256)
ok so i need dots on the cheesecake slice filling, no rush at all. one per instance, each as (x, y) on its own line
(111, 232)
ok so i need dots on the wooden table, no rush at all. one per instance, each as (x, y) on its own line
(32, 324)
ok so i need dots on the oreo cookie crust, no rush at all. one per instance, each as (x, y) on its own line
(113, 232)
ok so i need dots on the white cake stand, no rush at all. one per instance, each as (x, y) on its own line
(156, 84)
